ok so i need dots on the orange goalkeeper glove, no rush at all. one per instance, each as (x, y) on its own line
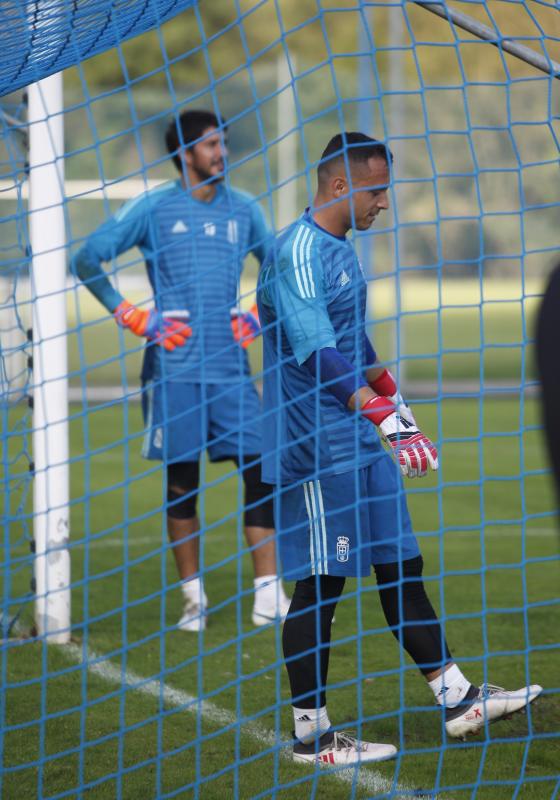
(245, 325)
(156, 327)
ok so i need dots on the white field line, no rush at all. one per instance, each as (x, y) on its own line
(140, 541)
(372, 782)
(119, 541)
(156, 538)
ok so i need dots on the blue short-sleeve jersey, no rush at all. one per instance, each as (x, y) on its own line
(311, 295)
(194, 253)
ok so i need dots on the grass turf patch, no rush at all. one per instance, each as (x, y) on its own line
(490, 550)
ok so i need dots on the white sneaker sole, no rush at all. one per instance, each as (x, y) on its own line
(381, 752)
(461, 728)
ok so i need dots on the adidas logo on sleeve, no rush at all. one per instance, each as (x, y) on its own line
(179, 227)
(344, 278)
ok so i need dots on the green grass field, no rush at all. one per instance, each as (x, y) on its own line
(490, 547)
(459, 329)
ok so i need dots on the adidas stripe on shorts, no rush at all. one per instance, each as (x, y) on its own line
(343, 524)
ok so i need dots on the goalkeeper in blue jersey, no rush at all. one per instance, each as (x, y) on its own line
(194, 234)
(340, 507)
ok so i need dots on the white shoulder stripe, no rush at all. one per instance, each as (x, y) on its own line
(301, 257)
(302, 245)
(300, 233)
(308, 264)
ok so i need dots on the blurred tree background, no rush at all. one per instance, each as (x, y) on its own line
(235, 30)
(473, 224)
(474, 131)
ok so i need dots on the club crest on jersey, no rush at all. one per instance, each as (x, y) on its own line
(209, 229)
(342, 548)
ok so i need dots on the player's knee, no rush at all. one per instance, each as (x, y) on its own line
(182, 489)
(179, 505)
(259, 511)
(401, 587)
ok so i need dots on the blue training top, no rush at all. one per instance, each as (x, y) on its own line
(194, 254)
(311, 295)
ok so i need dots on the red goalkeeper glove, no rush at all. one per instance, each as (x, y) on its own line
(397, 426)
(156, 327)
(386, 386)
(245, 325)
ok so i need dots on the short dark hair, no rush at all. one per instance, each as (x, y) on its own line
(357, 147)
(188, 128)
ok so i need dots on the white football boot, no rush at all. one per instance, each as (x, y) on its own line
(195, 611)
(341, 749)
(486, 704)
(270, 604)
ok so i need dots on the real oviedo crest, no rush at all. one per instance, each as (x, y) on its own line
(342, 548)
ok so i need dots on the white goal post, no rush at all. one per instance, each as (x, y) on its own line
(46, 194)
(50, 362)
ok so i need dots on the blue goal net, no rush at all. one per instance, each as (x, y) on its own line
(202, 388)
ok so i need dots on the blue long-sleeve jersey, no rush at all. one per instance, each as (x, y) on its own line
(194, 253)
(312, 295)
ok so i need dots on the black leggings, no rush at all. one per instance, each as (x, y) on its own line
(307, 630)
(183, 480)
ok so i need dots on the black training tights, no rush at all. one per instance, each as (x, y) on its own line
(307, 634)
(420, 633)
